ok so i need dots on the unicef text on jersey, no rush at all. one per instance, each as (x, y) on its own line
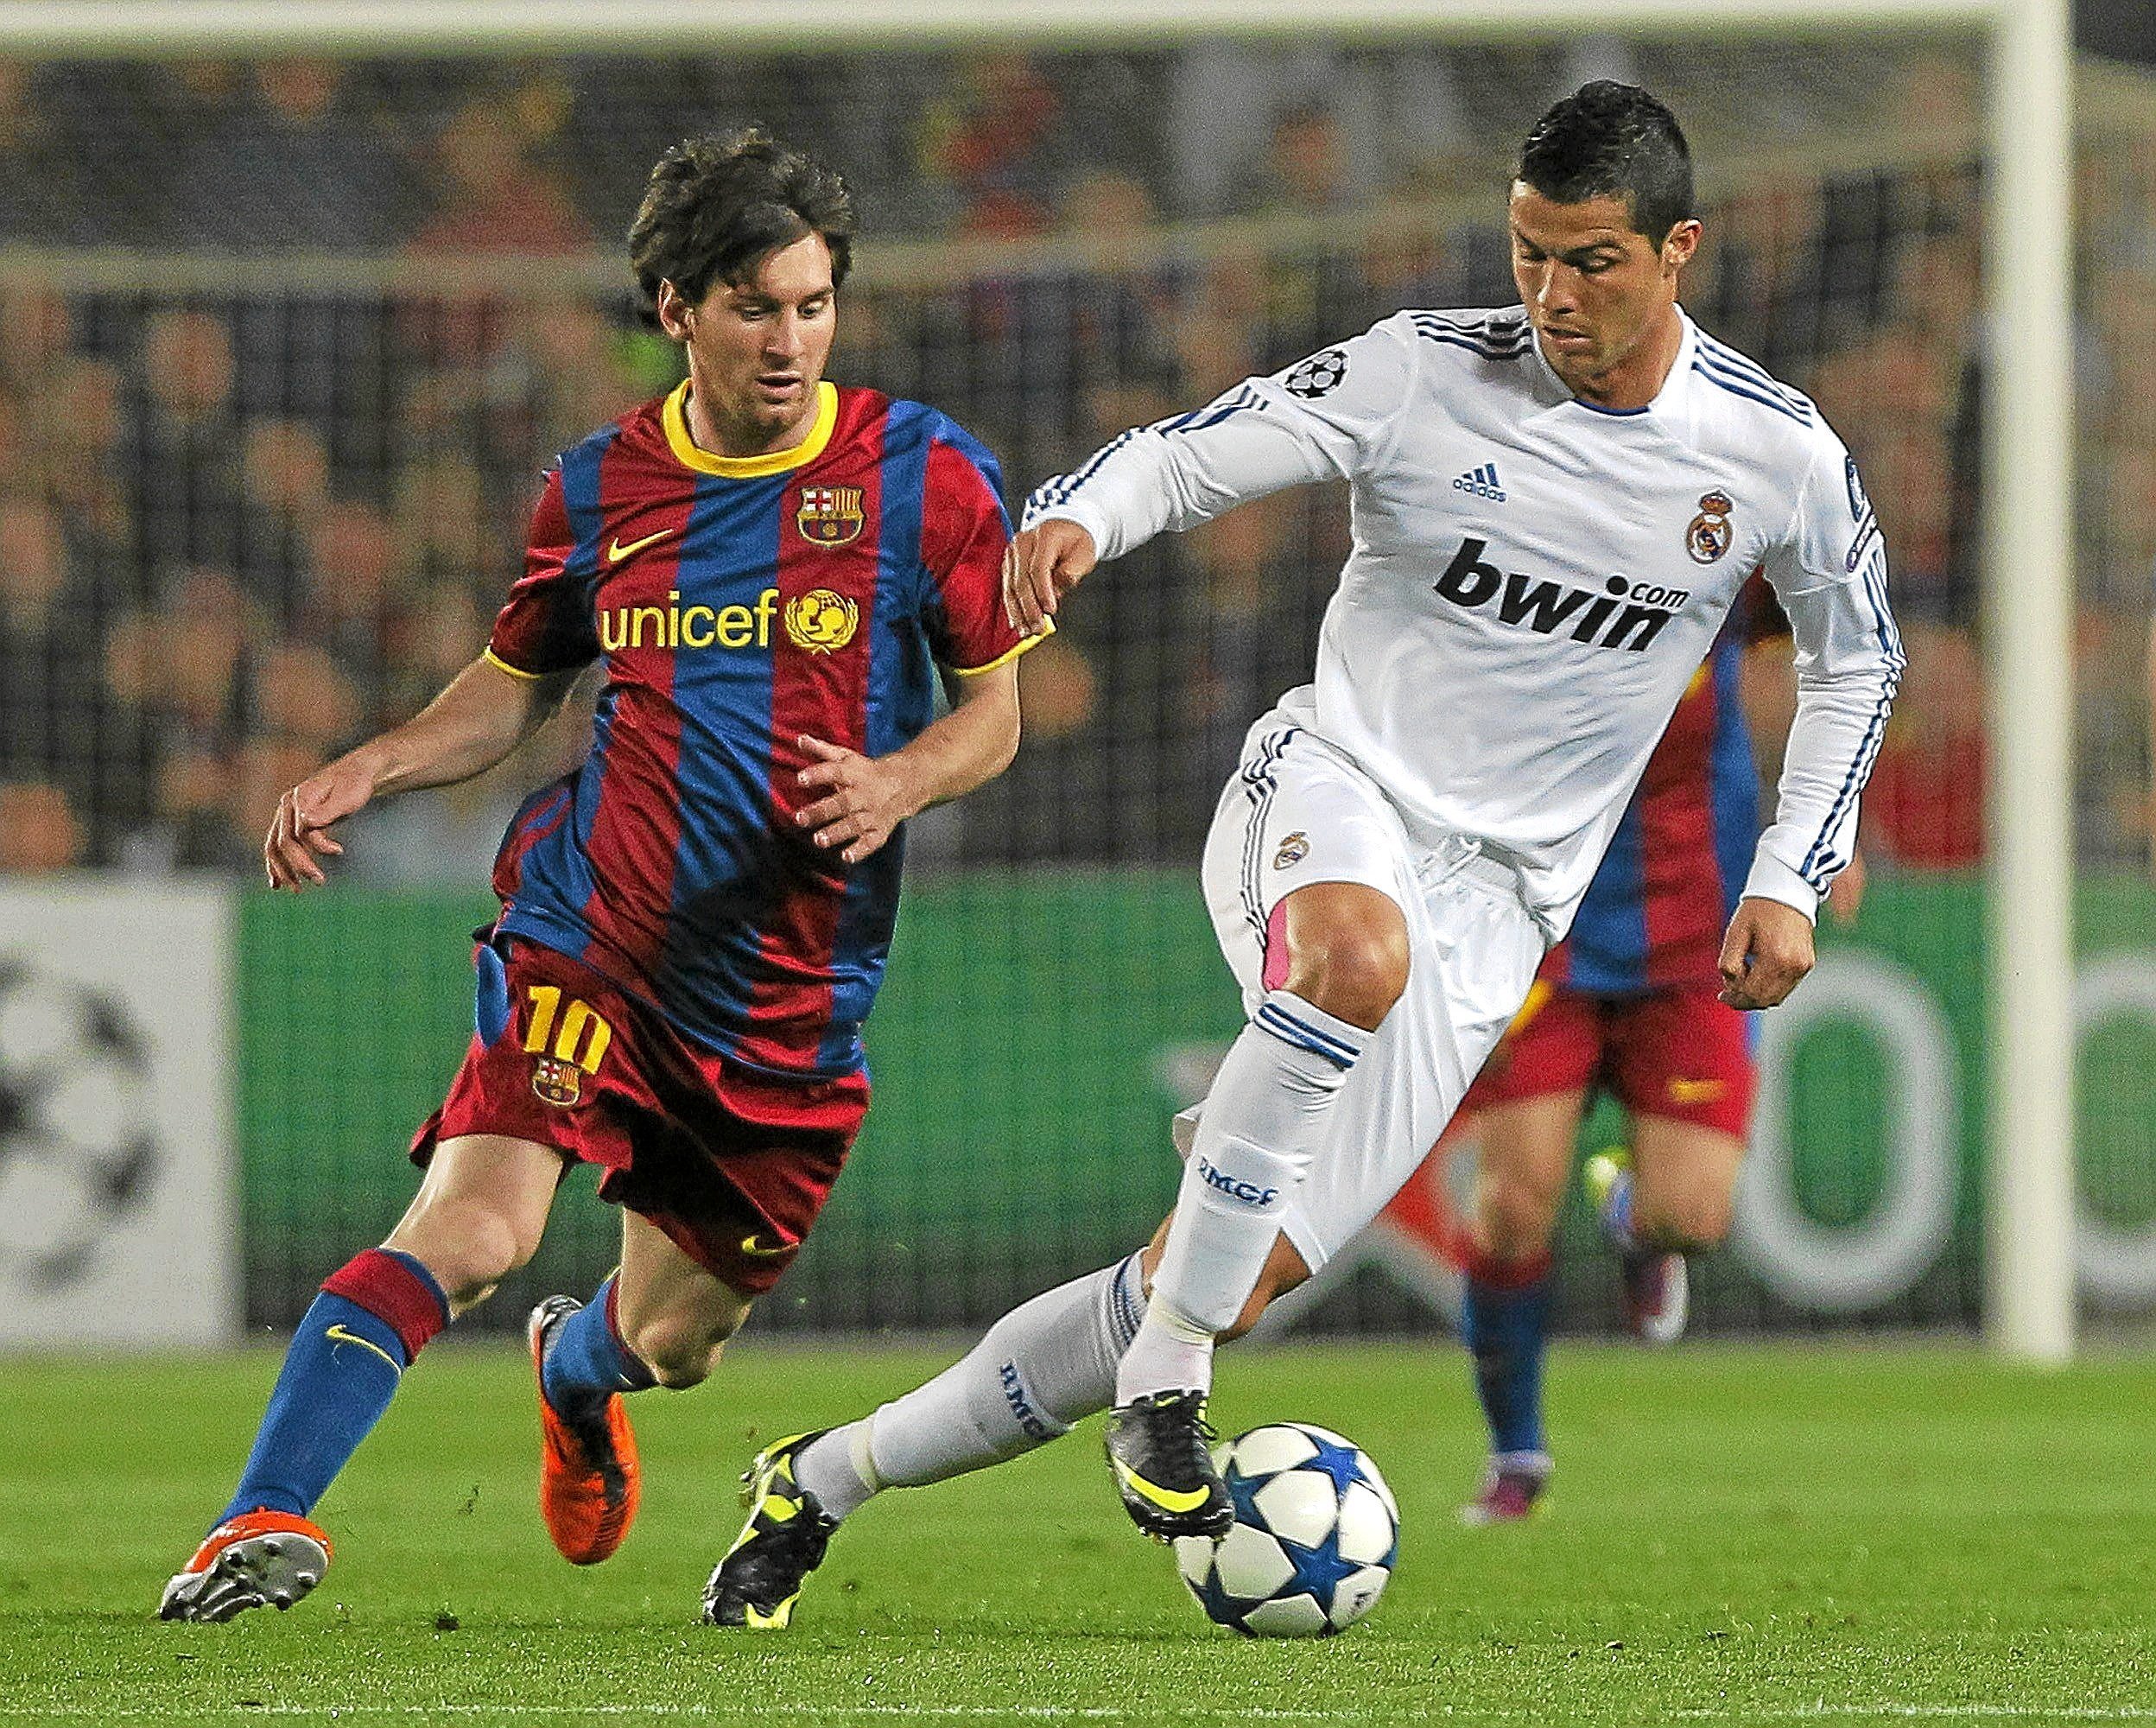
(1546, 606)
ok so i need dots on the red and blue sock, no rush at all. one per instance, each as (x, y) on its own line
(587, 1359)
(1505, 1327)
(351, 1347)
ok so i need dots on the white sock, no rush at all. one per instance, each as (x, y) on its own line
(1263, 1123)
(1038, 1371)
(838, 1469)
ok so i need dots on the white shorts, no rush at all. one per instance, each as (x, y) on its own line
(1298, 811)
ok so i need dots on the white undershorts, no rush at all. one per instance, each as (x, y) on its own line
(1298, 810)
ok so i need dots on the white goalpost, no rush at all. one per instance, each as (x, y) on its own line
(2028, 581)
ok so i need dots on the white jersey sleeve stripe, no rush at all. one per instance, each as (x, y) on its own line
(1728, 359)
(1832, 863)
(1330, 416)
(1199, 419)
(1498, 342)
(1055, 491)
(1825, 862)
(1726, 382)
(1825, 858)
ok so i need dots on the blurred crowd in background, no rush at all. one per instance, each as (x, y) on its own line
(250, 516)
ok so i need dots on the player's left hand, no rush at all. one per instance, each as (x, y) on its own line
(1765, 954)
(868, 797)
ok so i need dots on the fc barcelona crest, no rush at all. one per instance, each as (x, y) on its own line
(830, 516)
(557, 1081)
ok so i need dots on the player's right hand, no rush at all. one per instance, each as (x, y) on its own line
(298, 838)
(1040, 567)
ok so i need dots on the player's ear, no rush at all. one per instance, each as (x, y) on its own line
(1680, 243)
(677, 316)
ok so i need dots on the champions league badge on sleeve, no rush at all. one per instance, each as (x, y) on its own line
(1320, 375)
(1710, 535)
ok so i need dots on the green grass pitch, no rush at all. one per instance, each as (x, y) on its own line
(1738, 1536)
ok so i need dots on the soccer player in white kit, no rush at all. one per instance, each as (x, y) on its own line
(1553, 506)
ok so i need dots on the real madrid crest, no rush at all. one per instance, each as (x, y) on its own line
(1293, 850)
(1710, 535)
(821, 621)
(830, 517)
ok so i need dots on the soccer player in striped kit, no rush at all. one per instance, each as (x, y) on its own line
(1629, 1004)
(1554, 505)
(773, 572)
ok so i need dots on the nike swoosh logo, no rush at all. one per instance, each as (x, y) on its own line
(1168, 1499)
(616, 552)
(339, 1335)
(749, 1245)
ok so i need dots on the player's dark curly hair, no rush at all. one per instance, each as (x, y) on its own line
(717, 206)
(1611, 140)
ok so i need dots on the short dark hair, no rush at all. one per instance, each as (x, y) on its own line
(1611, 140)
(717, 206)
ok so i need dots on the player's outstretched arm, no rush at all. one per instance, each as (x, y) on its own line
(1334, 415)
(1765, 954)
(1040, 567)
(484, 712)
(860, 800)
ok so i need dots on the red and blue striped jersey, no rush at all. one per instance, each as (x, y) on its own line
(1655, 914)
(738, 603)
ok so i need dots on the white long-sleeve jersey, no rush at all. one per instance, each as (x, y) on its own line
(1534, 579)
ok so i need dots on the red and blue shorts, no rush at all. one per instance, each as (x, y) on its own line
(1680, 1054)
(732, 1165)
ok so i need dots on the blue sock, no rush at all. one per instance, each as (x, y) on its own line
(338, 1378)
(1504, 1327)
(585, 1359)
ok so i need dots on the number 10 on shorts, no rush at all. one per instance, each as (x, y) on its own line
(579, 1041)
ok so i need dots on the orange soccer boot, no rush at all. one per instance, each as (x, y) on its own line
(259, 1559)
(589, 1484)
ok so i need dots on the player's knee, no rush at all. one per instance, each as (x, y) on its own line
(1354, 975)
(468, 1248)
(1514, 1216)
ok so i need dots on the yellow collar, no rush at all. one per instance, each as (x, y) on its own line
(674, 416)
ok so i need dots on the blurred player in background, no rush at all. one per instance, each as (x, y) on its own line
(1627, 1004)
(1554, 505)
(695, 921)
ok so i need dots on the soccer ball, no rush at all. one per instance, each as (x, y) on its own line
(1316, 1534)
(78, 1144)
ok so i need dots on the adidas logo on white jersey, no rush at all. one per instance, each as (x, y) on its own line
(1482, 482)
